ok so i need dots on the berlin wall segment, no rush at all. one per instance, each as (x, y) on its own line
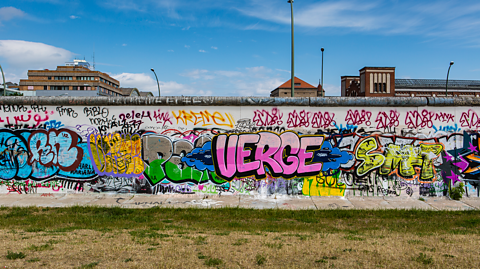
(230, 146)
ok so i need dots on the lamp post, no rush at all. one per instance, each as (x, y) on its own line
(4, 85)
(293, 65)
(158, 84)
(322, 49)
(446, 85)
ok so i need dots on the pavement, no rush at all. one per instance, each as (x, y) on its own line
(242, 201)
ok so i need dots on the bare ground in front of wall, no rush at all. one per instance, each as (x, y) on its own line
(173, 248)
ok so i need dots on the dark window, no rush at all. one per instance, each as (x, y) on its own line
(384, 87)
(297, 84)
(45, 88)
(49, 78)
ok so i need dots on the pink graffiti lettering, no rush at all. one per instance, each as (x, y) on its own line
(358, 117)
(162, 117)
(323, 120)
(414, 119)
(286, 155)
(300, 119)
(268, 118)
(386, 120)
(470, 119)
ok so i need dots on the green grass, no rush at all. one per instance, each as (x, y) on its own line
(423, 258)
(90, 265)
(15, 255)
(213, 262)
(224, 220)
(260, 259)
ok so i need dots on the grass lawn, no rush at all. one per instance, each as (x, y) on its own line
(95, 237)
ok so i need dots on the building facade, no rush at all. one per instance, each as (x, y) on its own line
(301, 89)
(381, 82)
(75, 76)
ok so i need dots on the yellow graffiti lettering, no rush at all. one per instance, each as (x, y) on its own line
(323, 186)
(204, 118)
(369, 161)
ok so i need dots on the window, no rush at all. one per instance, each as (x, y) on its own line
(63, 78)
(297, 84)
(384, 87)
(45, 88)
(75, 88)
(49, 78)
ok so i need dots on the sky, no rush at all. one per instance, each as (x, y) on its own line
(240, 48)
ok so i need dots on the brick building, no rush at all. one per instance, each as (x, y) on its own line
(301, 89)
(381, 82)
(75, 76)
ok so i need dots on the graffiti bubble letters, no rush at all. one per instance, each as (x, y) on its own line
(55, 148)
(116, 154)
(356, 117)
(286, 155)
(268, 118)
(204, 118)
(425, 118)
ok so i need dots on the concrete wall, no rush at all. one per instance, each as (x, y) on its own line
(292, 146)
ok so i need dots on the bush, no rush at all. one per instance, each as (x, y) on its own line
(456, 192)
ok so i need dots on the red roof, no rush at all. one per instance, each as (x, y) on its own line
(303, 84)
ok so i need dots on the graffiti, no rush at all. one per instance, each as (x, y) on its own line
(264, 150)
(300, 119)
(323, 120)
(387, 120)
(358, 117)
(116, 154)
(204, 118)
(55, 147)
(268, 118)
(286, 155)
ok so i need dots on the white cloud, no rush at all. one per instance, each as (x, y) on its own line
(185, 28)
(187, 46)
(74, 17)
(170, 50)
(124, 45)
(21, 56)
(10, 13)
(215, 48)
(146, 83)
(199, 74)
(201, 51)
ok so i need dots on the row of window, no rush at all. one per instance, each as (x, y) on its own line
(108, 82)
(83, 78)
(80, 88)
(380, 87)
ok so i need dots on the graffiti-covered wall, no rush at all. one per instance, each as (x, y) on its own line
(240, 146)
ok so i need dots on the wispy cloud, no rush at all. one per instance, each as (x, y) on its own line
(203, 51)
(144, 82)
(73, 17)
(215, 48)
(22, 55)
(10, 13)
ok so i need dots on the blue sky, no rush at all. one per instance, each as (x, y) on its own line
(240, 48)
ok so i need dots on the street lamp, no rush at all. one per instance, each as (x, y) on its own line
(446, 86)
(322, 49)
(157, 81)
(293, 74)
(3, 76)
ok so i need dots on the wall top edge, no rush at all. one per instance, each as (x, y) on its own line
(242, 101)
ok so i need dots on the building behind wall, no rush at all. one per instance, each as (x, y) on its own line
(301, 89)
(75, 76)
(381, 82)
